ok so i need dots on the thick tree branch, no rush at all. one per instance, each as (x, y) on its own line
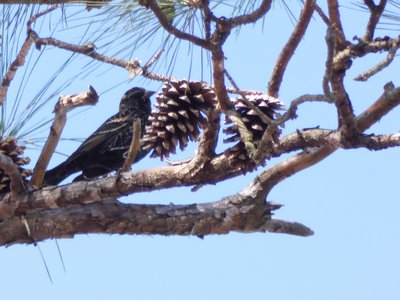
(313, 138)
(389, 99)
(238, 213)
(346, 116)
(334, 16)
(292, 165)
(377, 142)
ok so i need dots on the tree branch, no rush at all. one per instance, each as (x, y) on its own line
(251, 17)
(377, 142)
(234, 213)
(12, 70)
(342, 59)
(380, 66)
(167, 25)
(20, 59)
(376, 13)
(290, 47)
(264, 149)
(134, 147)
(64, 104)
(334, 16)
(292, 165)
(389, 99)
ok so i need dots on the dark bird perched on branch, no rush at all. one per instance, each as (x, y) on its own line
(103, 151)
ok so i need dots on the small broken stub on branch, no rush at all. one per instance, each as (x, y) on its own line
(87, 98)
(63, 104)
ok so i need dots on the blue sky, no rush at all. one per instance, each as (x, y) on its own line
(350, 199)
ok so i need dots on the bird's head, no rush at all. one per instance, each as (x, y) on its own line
(136, 99)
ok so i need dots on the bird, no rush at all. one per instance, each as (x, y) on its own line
(104, 151)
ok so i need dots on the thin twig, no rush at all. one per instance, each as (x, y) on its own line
(134, 147)
(376, 13)
(88, 50)
(267, 120)
(266, 139)
(18, 62)
(321, 13)
(38, 15)
(233, 90)
(251, 17)
(291, 112)
(132, 66)
(290, 47)
(167, 25)
(246, 136)
(64, 104)
(381, 65)
(20, 59)
(330, 39)
(152, 60)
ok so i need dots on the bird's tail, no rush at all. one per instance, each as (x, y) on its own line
(58, 174)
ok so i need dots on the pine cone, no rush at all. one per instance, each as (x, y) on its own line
(252, 120)
(181, 112)
(9, 147)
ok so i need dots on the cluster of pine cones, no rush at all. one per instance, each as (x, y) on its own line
(181, 111)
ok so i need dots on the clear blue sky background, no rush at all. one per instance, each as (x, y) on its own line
(350, 199)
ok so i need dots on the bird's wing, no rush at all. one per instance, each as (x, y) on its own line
(111, 127)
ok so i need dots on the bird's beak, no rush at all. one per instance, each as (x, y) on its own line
(149, 93)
